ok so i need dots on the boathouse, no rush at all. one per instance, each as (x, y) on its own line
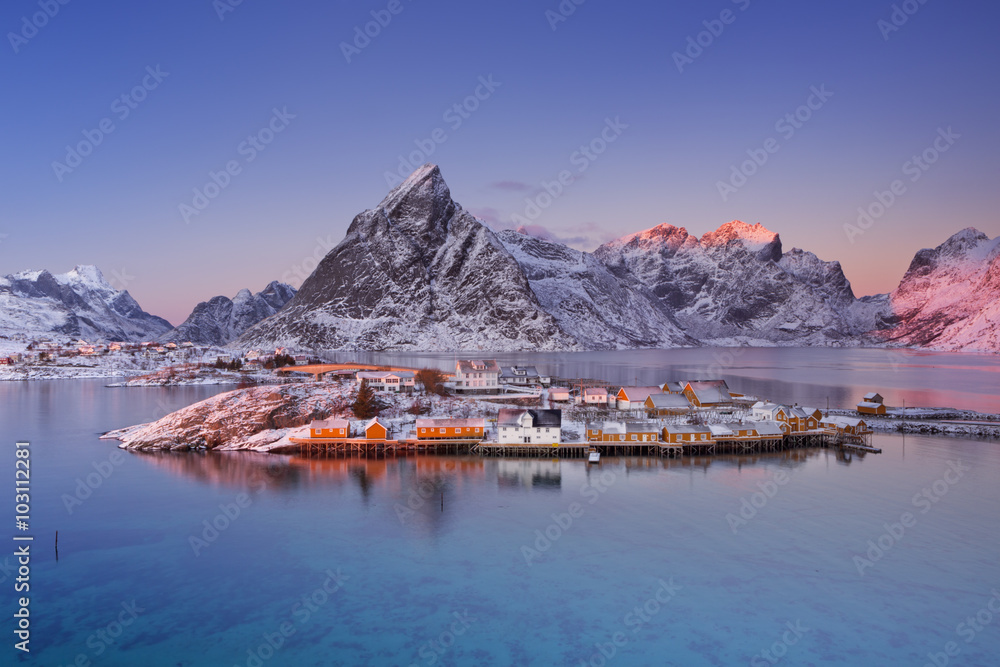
(672, 387)
(376, 430)
(667, 404)
(872, 404)
(515, 425)
(606, 432)
(595, 396)
(684, 433)
(451, 429)
(708, 394)
(634, 398)
(522, 376)
(329, 428)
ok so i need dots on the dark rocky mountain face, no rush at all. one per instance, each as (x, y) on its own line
(418, 272)
(221, 319)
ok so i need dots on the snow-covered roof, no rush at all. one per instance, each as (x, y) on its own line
(668, 401)
(873, 396)
(518, 372)
(642, 427)
(512, 417)
(766, 428)
(639, 394)
(384, 375)
(687, 428)
(870, 404)
(711, 391)
(607, 427)
(320, 424)
(595, 391)
(720, 430)
(478, 366)
(451, 423)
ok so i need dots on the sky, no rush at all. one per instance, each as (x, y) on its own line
(194, 148)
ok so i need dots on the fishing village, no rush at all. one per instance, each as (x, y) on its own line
(525, 413)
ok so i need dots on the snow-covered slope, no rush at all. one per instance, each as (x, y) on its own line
(949, 298)
(595, 307)
(417, 272)
(221, 319)
(736, 284)
(80, 303)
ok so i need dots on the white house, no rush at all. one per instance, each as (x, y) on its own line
(394, 381)
(559, 394)
(528, 426)
(522, 376)
(476, 376)
(595, 396)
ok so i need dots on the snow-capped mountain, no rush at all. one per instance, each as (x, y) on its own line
(417, 272)
(949, 298)
(597, 308)
(80, 304)
(737, 284)
(221, 319)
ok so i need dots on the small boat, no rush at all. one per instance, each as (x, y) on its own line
(594, 456)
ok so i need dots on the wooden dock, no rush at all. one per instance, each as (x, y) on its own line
(363, 447)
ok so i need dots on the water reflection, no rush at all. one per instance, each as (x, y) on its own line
(430, 477)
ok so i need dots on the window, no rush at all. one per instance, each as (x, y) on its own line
(546, 430)
(633, 436)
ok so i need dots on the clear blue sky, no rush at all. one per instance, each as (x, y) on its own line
(119, 207)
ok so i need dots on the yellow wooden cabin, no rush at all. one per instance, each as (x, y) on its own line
(451, 429)
(330, 428)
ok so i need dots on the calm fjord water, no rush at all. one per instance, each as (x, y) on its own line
(707, 561)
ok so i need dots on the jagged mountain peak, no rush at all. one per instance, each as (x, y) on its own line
(220, 319)
(79, 303)
(420, 207)
(753, 237)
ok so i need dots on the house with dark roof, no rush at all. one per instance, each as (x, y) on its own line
(515, 425)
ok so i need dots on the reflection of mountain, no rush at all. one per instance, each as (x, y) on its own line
(529, 473)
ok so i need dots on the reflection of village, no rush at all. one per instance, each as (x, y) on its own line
(676, 418)
(284, 475)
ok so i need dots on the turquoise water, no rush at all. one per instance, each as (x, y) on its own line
(427, 561)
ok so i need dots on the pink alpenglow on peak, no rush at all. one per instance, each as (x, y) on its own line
(754, 237)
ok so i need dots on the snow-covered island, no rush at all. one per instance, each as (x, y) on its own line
(283, 417)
